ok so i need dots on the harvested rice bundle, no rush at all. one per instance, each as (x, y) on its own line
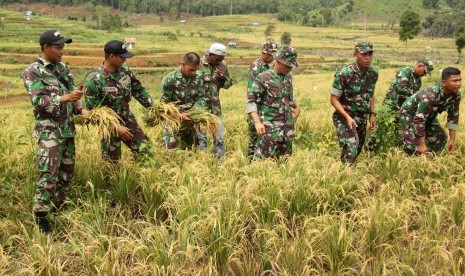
(203, 122)
(163, 113)
(104, 118)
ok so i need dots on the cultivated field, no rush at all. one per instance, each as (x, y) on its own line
(186, 213)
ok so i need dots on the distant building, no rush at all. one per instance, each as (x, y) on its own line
(183, 21)
(255, 24)
(130, 42)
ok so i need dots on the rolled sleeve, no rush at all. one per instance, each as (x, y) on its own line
(452, 126)
(251, 107)
(336, 92)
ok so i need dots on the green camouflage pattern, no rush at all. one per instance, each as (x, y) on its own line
(255, 68)
(55, 159)
(363, 47)
(288, 56)
(52, 119)
(186, 93)
(213, 85)
(54, 130)
(355, 88)
(405, 84)
(352, 140)
(271, 95)
(418, 117)
(429, 65)
(115, 91)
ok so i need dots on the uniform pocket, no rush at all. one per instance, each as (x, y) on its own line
(42, 160)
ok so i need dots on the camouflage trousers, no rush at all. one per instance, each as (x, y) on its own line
(138, 145)
(253, 138)
(350, 140)
(275, 143)
(436, 137)
(182, 139)
(54, 161)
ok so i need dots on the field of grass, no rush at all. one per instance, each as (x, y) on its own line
(186, 213)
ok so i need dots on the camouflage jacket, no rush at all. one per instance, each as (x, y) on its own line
(115, 91)
(256, 68)
(425, 105)
(354, 88)
(404, 85)
(213, 86)
(46, 83)
(185, 92)
(271, 95)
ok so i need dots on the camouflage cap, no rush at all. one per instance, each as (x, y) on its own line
(269, 47)
(287, 56)
(428, 65)
(364, 47)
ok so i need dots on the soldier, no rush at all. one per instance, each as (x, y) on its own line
(113, 85)
(260, 65)
(55, 100)
(273, 108)
(421, 131)
(215, 76)
(352, 96)
(184, 87)
(406, 83)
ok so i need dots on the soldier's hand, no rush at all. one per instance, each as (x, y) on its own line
(220, 75)
(186, 118)
(351, 124)
(373, 124)
(422, 148)
(72, 97)
(451, 146)
(296, 112)
(260, 128)
(124, 133)
(84, 112)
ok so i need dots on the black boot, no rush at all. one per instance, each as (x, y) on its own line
(43, 223)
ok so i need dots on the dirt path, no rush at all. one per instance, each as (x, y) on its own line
(13, 99)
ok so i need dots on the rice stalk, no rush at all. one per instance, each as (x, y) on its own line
(203, 121)
(104, 118)
(163, 113)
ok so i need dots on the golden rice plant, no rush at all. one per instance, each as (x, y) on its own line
(163, 113)
(104, 118)
(203, 122)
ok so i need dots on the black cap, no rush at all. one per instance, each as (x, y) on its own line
(53, 37)
(118, 48)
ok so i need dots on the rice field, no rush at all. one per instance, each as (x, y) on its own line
(184, 212)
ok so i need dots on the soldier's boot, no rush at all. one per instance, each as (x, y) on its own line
(43, 223)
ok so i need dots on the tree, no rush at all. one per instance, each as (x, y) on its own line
(286, 38)
(409, 25)
(460, 41)
(431, 4)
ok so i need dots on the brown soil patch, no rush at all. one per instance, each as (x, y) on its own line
(14, 99)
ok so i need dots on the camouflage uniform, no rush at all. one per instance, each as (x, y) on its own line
(54, 130)
(355, 89)
(255, 68)
(418, 118)
(186, 93)
(115, 91)
(212, 96)
(271, 95)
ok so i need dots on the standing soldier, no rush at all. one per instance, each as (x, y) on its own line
(260, 65)
(184, 87)
(215, 76)
(406, 83)
(273, 108)
(55, 100)
(112, 86)
(352, 96)
(421, 131)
